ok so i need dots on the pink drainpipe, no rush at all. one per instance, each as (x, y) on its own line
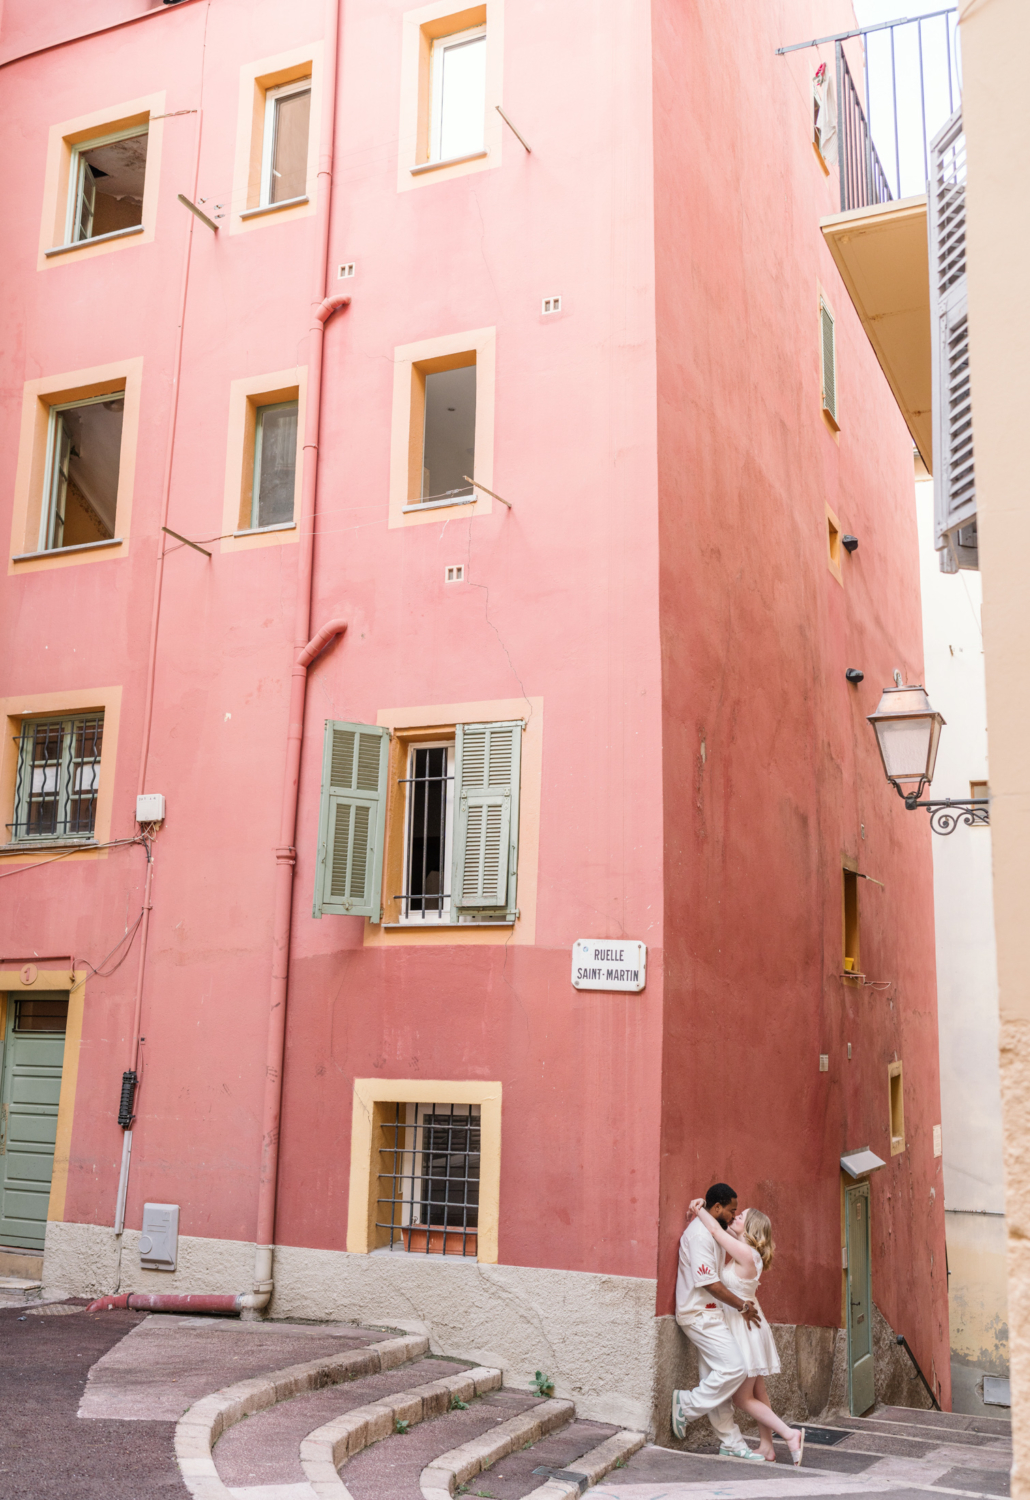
(285, 855)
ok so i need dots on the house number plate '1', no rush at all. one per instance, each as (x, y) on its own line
(609, 964)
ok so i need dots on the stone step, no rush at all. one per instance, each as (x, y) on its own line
(265, 1449)
(450, 1471)
(952, 1420)
(199, 1429)
(912, 1439)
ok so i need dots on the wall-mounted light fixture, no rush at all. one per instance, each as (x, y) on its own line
(908, 731)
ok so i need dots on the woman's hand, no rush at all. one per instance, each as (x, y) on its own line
(696, 1205)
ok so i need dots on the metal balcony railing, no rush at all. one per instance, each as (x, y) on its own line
(910, 84)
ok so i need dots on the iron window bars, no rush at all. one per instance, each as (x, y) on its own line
(428, 1195)
(58, 778)
(426, 843)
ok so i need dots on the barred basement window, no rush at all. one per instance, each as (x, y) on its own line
(428, 1198)
(58, 778)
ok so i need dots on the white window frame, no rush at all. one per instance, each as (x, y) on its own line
(255, 488)
(443, 916)
(441, 45)
(272, 97)
(48, 512)
(77, 171)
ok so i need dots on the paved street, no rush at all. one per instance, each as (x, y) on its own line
(92, 1402)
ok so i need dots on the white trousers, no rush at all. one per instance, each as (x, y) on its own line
(722, 1373)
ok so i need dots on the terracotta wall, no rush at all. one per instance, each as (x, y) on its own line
(771, 775)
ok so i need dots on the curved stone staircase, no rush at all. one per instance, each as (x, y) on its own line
(389, 1419)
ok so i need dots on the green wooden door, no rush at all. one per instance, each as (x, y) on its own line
(33, 1054)
(861, 1385)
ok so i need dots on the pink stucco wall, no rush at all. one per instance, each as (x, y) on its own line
(660, 581)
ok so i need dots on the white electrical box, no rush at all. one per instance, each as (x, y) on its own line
(150, 808)
(159, 1241)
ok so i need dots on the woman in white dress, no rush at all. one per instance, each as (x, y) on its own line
(749, 1251)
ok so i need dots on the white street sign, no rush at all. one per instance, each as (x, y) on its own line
(609, 964)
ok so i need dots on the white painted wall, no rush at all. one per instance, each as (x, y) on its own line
(967, 982)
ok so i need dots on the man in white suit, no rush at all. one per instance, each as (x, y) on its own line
(699, 1291)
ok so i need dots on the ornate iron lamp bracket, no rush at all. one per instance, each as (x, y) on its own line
(946, 816)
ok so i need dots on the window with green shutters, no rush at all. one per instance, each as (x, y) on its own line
(352, 822)
(486, 820)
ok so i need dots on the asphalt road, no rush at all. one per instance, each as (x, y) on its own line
(46, 1450)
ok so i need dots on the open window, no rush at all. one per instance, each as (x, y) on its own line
(84, 444)
(438, 811)
(105, 186)
(443, 430)
(284, 157)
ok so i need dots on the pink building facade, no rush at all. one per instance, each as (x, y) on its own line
(574, 517)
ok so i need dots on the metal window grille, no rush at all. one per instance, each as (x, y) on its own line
(427, 848)
(58, 778)
(428, 1194)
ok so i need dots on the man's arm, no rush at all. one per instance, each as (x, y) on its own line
(748, 1311)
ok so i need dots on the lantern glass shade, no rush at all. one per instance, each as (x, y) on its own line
(908, 732)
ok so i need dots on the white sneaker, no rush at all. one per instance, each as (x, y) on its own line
(748, 1454)
(679, 1425)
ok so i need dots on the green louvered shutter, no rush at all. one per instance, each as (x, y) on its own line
(486, 819)
(352, 821)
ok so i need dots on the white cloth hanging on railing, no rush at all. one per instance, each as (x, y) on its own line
(824, 101)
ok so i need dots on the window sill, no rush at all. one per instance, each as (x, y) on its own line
(98, 239)
(415, 505)
(31, 846)
(263, 530)
(274, 208)
(111, 541)
(452, 161)
(450, 926)
(469, 1260)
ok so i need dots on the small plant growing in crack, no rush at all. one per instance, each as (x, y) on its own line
(543, 1384)
(458, 1405)
(400, 1426)
(620, 1463)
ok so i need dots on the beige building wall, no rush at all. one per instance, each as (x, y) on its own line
(997, 125)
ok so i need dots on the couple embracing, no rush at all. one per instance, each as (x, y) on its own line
(722, 1256)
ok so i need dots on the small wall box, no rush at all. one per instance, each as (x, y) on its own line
(159, 1240)
(150, 808)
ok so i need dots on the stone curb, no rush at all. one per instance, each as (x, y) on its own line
(199, 1428)
(323, 1451)
(440, 1479)
(595, 1464)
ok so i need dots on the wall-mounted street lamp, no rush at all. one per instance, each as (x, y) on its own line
(908, 731)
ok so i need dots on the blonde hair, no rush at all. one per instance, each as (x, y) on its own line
(758, 1234)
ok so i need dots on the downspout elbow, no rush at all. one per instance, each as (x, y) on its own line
(318, 643)
(326, 308)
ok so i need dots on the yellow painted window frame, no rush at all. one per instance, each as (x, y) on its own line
(896, 1106)
(420, 28)
(39, 396)
(411, 364)
(63, 139)
(13, 712)
(370, 1095)
(256, 79)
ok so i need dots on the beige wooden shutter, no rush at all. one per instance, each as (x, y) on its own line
(352, 821)
(954, 485)
(486, 819)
